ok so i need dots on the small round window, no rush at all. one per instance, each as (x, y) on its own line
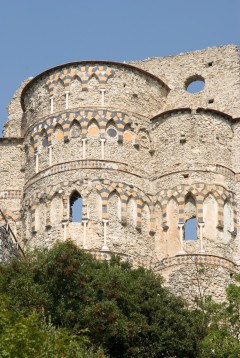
(112, 132)
(195, 84)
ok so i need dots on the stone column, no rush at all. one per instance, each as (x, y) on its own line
(85, 233)
(67, 95)
(51, 102)
(102, 147)
(181, 251)
(50, 155)
(48, 214)
(105, 247)
(84, 147)
(64, 230)
(102, 97)
(37, 163)
(201, 226)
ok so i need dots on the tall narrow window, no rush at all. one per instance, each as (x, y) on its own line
(190, 229)
(75, 207)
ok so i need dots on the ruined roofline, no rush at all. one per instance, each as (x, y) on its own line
(182, 54)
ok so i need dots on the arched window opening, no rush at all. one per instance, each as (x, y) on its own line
(190, 229)
(75, 130)
(93, 128)
(111, 130)
(75, 207)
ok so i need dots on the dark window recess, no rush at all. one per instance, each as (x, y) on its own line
(211, 100)
(112, 132)
(190, 229)
(210, 64)
(75, 207)
(183, 138)
(195, 86)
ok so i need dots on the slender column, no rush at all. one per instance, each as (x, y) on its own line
(64, 231)
(102, 97)
(105, 247)
(181, 251)
(201, 225)
(37, 164)
(65, 206)
(48, 215)
(51, 99)
(102, 147)
(67, 94)
(84, 234)
(84, 147)
(50, 155)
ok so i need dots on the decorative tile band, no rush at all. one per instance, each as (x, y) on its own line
(84, 117)
(83, 73)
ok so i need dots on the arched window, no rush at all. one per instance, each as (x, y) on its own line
(75, 207)
(190, 229)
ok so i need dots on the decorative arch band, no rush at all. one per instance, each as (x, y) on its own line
(83, 73)
(66, 119)
(106, 187)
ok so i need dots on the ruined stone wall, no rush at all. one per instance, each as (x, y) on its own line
(146, 156)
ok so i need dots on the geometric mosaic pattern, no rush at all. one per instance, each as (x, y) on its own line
(83, 73)
(83, 118)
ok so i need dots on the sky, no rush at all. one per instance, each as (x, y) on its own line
(38, 34)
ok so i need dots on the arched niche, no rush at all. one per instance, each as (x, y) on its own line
(31, 151)
(56, 210)
(131, 212)
(228, 220)
(145, 226)
(40, 217)
(173, 243)
(144, 139)
(128, 135)
(59, 99)
(93, 150)
(58, 134)
(160, 243)
(75, 129)
(114, 206)
(94, 214)
(93, 130)
(210, 213)
(115, 239)
(94, 206)
(111, 131)
(58, 145)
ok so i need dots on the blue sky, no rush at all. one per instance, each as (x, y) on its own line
(38, 34)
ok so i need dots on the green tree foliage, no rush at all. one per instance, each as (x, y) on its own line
(222, 339)
(23, 336)
(125, 311)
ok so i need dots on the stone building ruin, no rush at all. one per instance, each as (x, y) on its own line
(155, 168)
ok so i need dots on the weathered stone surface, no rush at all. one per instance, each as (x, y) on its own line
(145, 155)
